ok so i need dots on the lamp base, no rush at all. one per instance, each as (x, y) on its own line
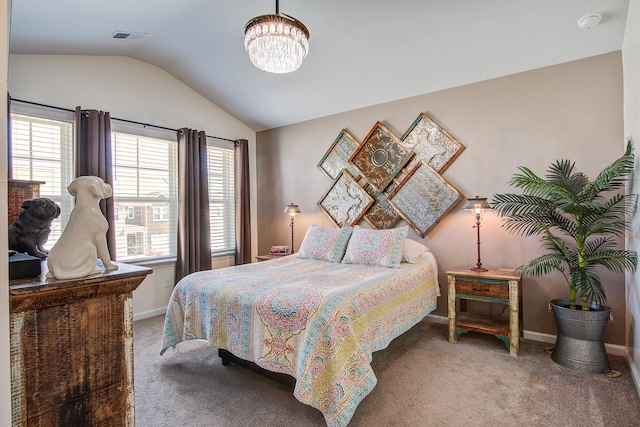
(479, 269)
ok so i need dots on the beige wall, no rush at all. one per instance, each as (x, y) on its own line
(132, 90)
(573, 110)
(631, 68)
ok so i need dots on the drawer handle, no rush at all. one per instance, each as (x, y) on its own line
(481, 289)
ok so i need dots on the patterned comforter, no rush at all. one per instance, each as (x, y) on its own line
(314, 320)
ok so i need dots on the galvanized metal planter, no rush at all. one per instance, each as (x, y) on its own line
(580, 344)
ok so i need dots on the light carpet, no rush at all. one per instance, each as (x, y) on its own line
(423, 380)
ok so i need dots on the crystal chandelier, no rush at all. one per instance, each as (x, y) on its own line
(276, 43)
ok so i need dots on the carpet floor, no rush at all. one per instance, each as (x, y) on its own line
(422, 381)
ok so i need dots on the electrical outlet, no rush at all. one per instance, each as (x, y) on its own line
(167, 282)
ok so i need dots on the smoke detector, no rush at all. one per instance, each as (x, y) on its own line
(589, 21)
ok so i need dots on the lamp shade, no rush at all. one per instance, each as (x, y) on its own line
(291, 209)
(477, 204)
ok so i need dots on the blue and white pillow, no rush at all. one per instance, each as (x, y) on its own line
(382, 248)
(326, 244)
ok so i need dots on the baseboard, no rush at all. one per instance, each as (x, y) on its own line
(635, 375)
(435, 318)
(150, 313)
(613, 349)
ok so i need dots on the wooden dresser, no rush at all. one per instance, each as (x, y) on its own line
(72, 349)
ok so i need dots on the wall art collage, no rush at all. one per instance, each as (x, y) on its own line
(384, 179)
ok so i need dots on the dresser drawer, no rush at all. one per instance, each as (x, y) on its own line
(482, 289)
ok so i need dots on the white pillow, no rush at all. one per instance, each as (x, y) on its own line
(412, 251)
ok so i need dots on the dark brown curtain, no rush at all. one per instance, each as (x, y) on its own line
(194, 240)
(9, 137)
(243, 203)
(93, 158)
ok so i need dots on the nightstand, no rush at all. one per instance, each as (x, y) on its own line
(502, 286)
(267, 257)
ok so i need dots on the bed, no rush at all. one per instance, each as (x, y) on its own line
(317, 320)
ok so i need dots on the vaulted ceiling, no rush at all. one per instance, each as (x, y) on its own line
(362, 52)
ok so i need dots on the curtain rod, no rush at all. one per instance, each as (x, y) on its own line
(114, 118)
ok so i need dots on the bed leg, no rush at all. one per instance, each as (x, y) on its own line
(225, 356)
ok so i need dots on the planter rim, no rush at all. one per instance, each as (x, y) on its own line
(565, 303)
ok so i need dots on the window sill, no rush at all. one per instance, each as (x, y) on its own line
(152, 262)
(170, 261)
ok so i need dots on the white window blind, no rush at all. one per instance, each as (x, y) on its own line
(144, 185)
(221, 196)
(145, 180)
(42, 150)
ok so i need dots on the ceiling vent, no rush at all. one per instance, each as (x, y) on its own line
(128, 35)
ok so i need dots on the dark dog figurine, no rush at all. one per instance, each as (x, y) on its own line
(30, 231)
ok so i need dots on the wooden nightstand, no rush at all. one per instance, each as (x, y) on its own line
(500, 286)
(267, 257)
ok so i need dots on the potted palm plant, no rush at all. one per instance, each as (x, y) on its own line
(580, 223)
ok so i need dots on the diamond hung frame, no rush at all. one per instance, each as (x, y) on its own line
(345, 202)
(381, 215)
(423, 197)
(380, 157)
(337, 156)
(431, 143)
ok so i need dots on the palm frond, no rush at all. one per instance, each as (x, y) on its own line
(613, 176)
(617, 261)
(578, 223)
(542, 265)
(592, 288)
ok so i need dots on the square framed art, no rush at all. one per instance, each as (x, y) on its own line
(423, 197)
(337, 156)
(381, 215)
(431, 143)
(380, 157)
(345, 201)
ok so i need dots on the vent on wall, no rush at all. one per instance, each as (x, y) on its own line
(128, 35)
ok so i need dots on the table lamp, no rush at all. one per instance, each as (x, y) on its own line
(478, 205)
(292, 210)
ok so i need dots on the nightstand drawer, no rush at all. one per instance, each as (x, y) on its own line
(482, 289)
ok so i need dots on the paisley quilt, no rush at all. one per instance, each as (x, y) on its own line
(316, 321)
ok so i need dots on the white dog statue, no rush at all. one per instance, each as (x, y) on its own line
(83, 240)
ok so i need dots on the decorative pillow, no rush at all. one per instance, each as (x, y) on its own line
(412, 251)
(326, 244)
(382, 248)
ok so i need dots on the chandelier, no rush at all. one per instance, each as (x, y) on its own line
(276, 43)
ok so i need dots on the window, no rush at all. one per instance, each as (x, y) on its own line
(135, 244)
(42, 150)
(145, 187)
(160, 213)
(221, 196)
(145, 180)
